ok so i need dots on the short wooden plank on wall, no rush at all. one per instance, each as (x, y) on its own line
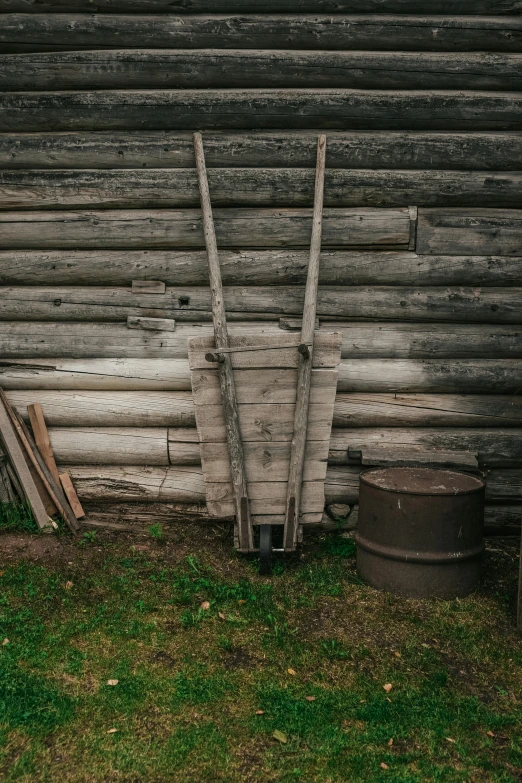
(473, 231)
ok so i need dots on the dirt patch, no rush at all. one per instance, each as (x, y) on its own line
(15, 547)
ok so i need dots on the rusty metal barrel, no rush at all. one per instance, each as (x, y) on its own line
(420, 531)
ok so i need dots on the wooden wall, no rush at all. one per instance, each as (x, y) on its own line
(422, 263)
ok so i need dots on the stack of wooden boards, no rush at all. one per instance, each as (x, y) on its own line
(421, 270)
(28, 471)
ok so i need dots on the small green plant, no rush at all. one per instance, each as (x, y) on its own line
(156, 531)
(89, 537)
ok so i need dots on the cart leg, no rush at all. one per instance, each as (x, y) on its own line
(265, 550)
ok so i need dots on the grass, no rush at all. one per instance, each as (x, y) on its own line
(226, 676)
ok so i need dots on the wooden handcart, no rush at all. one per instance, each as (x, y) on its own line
(264, 406)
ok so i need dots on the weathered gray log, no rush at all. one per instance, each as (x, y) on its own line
(40, 339)
(438, 376)
(253, 267)
(184, 484)
(473, 231)
(467, 151)
(383, 228)
(425, 410)
(255, 187)
(243, 109)
(110, 445)
(248, 31)
(65, 408)
(463, 7)
(225, 68)
(481, 305)
(496, 447)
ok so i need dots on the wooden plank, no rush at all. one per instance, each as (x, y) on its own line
(225, 373)
(427, 410)
(110, 445)
(38, 340)
(450, 151)
(265, 497)
(41, 436)
(107, 229)
(151, 324)
(396, 303)
(327, 354)
(365, 31)
(72, 497)
(264, 462)
(255, 267)
(407, 456)
(215, 68)
(473, 231)
(253, 187)
(343, 109)
(14, 450)
(496, 447)
(461, 7)
(266, 423)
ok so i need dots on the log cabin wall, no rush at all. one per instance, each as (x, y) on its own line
(422, 262)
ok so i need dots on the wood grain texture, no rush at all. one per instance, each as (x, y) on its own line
(451, 304)
(110, 445)
(343, 109)
(118, 483)
(463, 151)
(439, 376)
(183, 228)
(360, 339)
(41, 437)
(363, 31)
(474, 7)
(255, 187)
(264, 461)
(65, 408)
(254, 267)
(226, 68)
(473, 231)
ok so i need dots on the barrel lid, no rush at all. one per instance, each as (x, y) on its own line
(422, 481)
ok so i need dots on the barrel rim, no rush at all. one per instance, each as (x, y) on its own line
(453, 494)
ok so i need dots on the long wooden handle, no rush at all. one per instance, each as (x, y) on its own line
(226, 376)
(304, 369)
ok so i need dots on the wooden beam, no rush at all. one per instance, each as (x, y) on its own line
(255, 187)
(41, 436)
(72, 497)
(323, 28)
(379, 228)
(342, 109)
(225, 371)
(473, 231)
(417, 150)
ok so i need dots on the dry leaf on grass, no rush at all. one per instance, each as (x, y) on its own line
(490, 733)
(6, 641)
(388, 687)
(112, 682)
(260, 712)
(68, 585)
(241, 601)
(291, 671)
(221, 616)
(205, 605)
(112, 731)
(390, 742)
(384, 766)
(397, 654)
(450, 739)
(310, 698)
(280, 736)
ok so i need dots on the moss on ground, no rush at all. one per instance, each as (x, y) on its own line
(279, 679)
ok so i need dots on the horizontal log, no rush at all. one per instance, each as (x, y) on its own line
(253, 267)
(255, 187)
(215, 68)
(481, 305)
(473, 231)
(427, 410)
(184, 484)
(495, 7)
(495, 446)
(41, 32)
(438, 376)
(285, 149)
(111, 445)
(257, 228)
(41, 339)
(243, 109)
(65, 408)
